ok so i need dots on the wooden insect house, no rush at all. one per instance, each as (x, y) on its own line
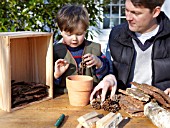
(26, 68)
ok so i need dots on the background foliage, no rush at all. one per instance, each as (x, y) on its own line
(39, 15)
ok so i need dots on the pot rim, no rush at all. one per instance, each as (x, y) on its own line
(79, 78)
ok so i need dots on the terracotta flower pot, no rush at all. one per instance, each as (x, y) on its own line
(79, 89)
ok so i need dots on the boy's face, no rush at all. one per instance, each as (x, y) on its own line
(75, 38)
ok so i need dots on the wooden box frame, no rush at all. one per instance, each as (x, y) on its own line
(25, 56)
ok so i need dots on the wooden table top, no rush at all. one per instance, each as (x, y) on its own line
(45, 114)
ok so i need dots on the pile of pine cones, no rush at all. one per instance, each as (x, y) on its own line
(107, 105)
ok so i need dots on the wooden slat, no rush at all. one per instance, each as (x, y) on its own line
(5, 73)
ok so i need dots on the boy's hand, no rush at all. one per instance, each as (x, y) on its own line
(92, 60)
(60, 67)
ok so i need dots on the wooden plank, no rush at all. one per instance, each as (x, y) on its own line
(49, 65)
(113, 121)
(100, 123)
(89, 119)
(5, 80)
(87, 116)
(24, 34)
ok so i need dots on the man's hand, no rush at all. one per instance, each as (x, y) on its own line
(109, 82)
(167, 91)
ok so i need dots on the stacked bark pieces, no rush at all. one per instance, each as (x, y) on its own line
(155, 93)
(133, 104)
(26, 92)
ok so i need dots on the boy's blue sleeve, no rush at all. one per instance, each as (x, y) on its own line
(108, 56)
(57, 81)
(105, 69)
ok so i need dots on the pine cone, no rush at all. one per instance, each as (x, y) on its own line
(96, 103)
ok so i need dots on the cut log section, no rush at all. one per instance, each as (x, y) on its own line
(157, 114)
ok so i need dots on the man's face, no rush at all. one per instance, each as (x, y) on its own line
(140, 19)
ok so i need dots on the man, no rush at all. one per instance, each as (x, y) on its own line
(140, 49)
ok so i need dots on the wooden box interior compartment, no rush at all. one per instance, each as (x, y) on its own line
(25, 56)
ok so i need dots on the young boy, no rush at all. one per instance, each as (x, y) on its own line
(73, 22)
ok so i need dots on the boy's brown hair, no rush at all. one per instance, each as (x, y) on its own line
(70, 15)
